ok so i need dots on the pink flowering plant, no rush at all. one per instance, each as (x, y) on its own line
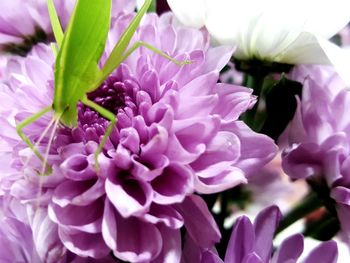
(135, 136)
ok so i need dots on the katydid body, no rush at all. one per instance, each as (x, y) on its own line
(76, 69)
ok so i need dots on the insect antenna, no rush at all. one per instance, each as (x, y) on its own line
(46, 156)
(37, 143)
(44, 171)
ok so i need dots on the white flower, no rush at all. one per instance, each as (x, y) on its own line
(283, 31)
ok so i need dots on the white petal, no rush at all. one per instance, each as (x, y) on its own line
(305, 49)
(339, 58)
(277, 30)
(260, 28)
(271, 32)
(190, 13)
(226, 20)
(325, 18)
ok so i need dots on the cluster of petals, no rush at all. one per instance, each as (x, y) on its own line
(177, 133)
(28, 235)
(317, 141)
(252, 243)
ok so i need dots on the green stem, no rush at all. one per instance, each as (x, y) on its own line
(255, 82)
(323, 229)
(220, 220)
(309, 204)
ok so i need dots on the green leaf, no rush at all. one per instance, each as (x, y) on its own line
(77, 61)
(281, 105)
(55, 23)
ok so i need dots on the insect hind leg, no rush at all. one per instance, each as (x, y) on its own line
(139, 44)
(113, 61)
(26, 122)
(109, 116)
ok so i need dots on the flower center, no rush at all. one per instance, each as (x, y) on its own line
(114, 95)
(110, 95)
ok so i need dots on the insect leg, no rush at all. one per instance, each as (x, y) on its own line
(54, 49)
(139, 44)
(37, 143)
(109, 116)
(124, 41)
(105, 72)
(55, 23)
(28, 121)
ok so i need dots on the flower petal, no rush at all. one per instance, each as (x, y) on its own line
(84, 244)
(256, 149)
(171, 250)
(265, 225)
(129, 195)
(136, 241)
(305, 49)
(199, 222)
(289, 250)
(78, 193)
(45, 235)
(241, 241)
(218, 178)
(173, 185)
(338, 57)
(77, 167)
(166, 214)
(329, 18)
(327, 252)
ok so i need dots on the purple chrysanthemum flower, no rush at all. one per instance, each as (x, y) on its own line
(252, 243)
(318, 140)
(26, 23)
(177, 133)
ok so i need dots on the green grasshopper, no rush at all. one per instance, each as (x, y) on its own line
(76, 69)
